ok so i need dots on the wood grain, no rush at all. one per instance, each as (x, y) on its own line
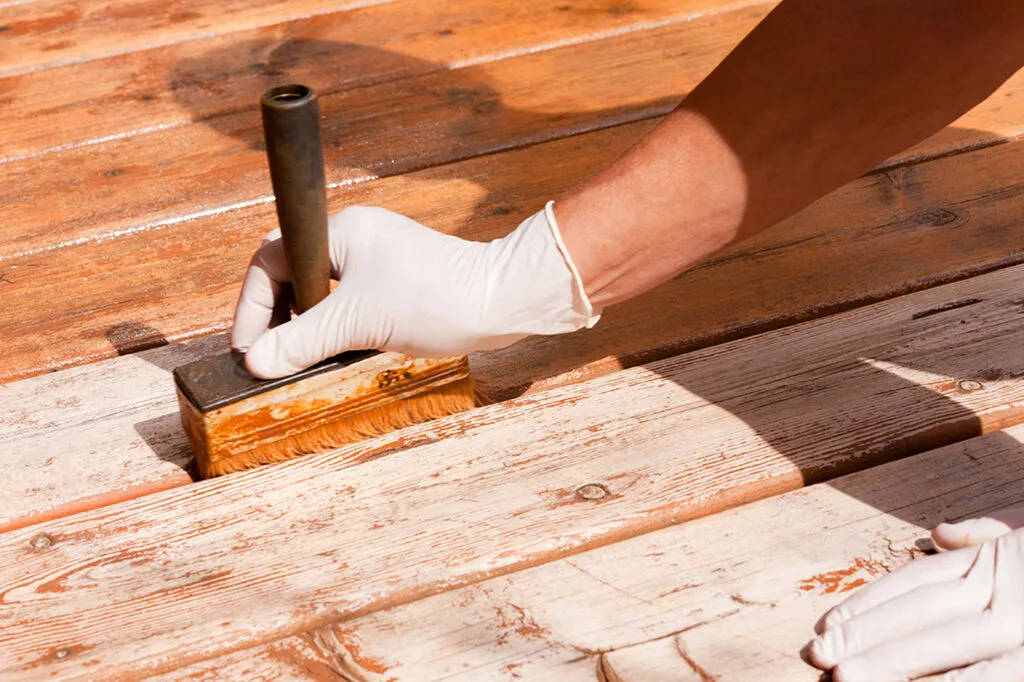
(896, 231)
(198, 571)
(167, 177)
(738, 592)
(171, 86)
(94, 435)
(48, 33)
(695, 309)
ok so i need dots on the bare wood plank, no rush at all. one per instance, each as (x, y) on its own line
(199, 571)
(897, 231)
(194, 80)
(733, 596)
(167, 177)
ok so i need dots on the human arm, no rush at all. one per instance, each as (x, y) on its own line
(815, 96)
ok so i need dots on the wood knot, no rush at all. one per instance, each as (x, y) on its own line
(969, 385)
(592, 491)
(41, 542)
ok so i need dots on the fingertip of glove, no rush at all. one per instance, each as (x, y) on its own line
(260, 357)
(953, 536)
(820, 654)
(948, 536)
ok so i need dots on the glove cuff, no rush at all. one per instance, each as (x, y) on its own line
(534, 286)
(581, 304)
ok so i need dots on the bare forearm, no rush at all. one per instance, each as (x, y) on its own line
(815, 96)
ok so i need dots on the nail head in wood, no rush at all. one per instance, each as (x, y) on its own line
(969, 386)
(592, 491)
(62, 653)
(40, 542)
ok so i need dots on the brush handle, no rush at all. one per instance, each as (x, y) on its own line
(291, 127)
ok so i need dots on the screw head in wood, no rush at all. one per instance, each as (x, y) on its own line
(592, 491)
(62, 653)
(969, 386)
(40, 542)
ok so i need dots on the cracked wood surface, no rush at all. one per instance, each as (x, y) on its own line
(727, 598)
(114, 590)
(204, 569)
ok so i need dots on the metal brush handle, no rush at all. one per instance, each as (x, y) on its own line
(291, 127)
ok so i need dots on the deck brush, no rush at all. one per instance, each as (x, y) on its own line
(234, 421)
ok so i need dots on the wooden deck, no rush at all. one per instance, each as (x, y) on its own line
(677, 494)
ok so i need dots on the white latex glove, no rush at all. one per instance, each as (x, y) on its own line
(959, 608)
(404, 287)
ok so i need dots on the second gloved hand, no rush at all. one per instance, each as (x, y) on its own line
(960, 608)
(407, 288)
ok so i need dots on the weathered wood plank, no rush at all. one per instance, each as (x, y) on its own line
(199, 571)
(169, 176)
(894, 232)
(74, 455)
(737, 592)
(198, 79)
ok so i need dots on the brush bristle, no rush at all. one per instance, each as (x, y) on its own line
(458, 396)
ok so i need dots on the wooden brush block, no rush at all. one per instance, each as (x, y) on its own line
(234, 421)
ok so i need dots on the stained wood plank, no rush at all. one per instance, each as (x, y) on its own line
(48, 33)
(199, 79)
(167, 176)
(199, 571)
(897, 231)
(737, 592)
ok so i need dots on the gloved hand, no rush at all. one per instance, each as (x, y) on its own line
(960, 608)
(407, 288)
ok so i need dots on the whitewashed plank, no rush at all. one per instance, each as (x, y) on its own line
(737, 592)
(191, 573)
(93, 435)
